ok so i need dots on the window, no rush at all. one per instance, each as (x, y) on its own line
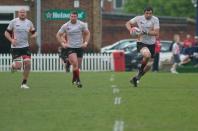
(6, 16)
(118, 4)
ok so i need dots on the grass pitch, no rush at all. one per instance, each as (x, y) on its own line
(163, 102)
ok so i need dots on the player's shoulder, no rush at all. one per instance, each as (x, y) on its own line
(139, 17)
(67, 23)
(135, 19)
(155, 18)
(81, 22)
(28, 21)
(14, 20)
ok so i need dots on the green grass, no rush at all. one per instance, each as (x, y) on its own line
(164, 102)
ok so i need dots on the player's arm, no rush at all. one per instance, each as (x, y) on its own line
(64, 38)
(154, 32)
(8, 34)
(60, 36)
(129, 24)
(86, 37)
(33, 32)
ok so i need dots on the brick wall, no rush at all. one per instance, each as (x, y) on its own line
(107, 6)
(50, 28)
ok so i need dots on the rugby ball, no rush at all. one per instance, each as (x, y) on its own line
(135, 31)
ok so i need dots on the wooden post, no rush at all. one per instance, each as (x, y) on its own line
(97, 26)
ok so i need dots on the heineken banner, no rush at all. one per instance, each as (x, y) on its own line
(55, 14)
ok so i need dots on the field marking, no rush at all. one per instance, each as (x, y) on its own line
(118, 126)
(112, 78)
(113, 86)
(116, 90)
(117, 100)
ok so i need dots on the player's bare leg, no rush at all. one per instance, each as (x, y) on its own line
(145, 66)
(26, 72)
(16, 64)
(76, 73)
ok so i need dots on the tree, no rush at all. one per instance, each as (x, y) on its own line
(178, 8)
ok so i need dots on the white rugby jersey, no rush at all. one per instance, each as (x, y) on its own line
(146, 25)
(74, 33)
(20, 29)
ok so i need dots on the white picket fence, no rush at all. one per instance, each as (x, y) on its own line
(52, 62)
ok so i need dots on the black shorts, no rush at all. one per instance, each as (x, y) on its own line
(66, 52)
(18, 52)
(151, 48)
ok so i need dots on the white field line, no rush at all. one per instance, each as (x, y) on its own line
(113, 86)
(117, 101)
(112, 78)
(116, 90)
(118, 126)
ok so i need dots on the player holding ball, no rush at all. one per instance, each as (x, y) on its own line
(145, 28)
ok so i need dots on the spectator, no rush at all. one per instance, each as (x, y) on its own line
(176, 53)
(188, 50)
(195, 51)
(157, 55)
(195, 43)
(188, 42)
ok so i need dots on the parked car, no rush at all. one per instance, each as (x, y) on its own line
(165, 53)
(116, 46)
(132, 57)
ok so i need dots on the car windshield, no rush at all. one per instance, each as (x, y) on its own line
(165, 46)
(131, 47)
(122, 45)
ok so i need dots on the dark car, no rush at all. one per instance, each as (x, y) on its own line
(132, 57)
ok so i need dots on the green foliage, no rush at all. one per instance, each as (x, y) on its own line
(178, 8)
